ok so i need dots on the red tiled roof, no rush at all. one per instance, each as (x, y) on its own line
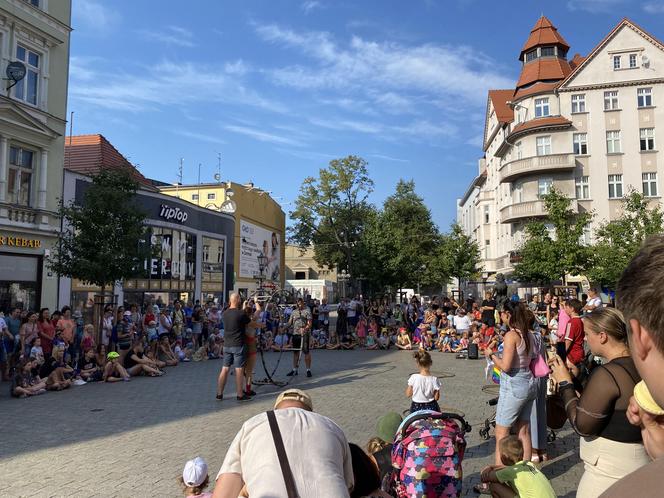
(543, 70)
(89, 154)
(540, 122)
(499, 99)
(576, 61)
(543, 33)
(536, 88)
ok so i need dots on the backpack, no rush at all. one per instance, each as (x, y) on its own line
(427, 455)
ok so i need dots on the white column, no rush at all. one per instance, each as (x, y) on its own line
(3, 169)
(43, 179)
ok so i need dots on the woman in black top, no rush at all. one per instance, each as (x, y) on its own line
(611, 447)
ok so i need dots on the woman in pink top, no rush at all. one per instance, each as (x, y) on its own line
(46, 332)
(67, 325)
(563, 320)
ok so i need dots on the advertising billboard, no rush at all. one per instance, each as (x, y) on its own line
(254, 241)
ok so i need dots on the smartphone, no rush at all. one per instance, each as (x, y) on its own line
(561, 351)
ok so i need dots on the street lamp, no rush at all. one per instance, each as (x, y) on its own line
(344, 276)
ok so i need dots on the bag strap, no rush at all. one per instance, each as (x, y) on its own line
(281, 453)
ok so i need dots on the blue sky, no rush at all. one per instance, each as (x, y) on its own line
(280, 87)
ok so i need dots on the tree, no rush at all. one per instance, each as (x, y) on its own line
(332, 210)
(461, 254)
(619, 240)
(401, 240)
(544, 257)
(101, 239)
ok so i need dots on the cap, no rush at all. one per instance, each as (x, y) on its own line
(112, 355)
(195, 471)
(387, 426)
(295, 395)
(126, 313)
(77, 314)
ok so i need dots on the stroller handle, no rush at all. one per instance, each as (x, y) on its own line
(465, 426)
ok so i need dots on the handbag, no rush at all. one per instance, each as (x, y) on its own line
(556, 416)
(538, 365)
(281, 454)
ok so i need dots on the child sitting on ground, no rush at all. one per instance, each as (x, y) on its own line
(463, 344)
(384, 340)
(371, 340)
(36, 351)
(362, 331)
(90, 371)
(195, 479)
(24, 384)
(516, 476)
(423, 388)
(447, 342)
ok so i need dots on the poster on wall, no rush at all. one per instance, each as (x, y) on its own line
(254, 241)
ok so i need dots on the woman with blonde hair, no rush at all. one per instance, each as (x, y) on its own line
(610, 447)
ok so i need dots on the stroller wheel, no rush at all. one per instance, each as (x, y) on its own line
(551, 437)
(484, 434)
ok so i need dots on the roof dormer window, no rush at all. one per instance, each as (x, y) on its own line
(531, 56)
(548, 51)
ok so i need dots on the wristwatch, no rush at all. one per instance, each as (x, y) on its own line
(564, 383)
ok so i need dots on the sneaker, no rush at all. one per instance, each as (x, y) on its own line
(291, 373)
(250, 392)
(220, 397)
(244, 397)
(79, 382)
(308, 373)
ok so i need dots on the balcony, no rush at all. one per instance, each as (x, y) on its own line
(527, 210)
(550, 163)
(12, 215)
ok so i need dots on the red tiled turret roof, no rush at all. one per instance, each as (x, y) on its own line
(543, 70)
(90, 154)
(543, 33)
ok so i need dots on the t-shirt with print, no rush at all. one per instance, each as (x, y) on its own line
(317, 451)
(575, 334)
(527, 480)
(424, 387)
(300, 320)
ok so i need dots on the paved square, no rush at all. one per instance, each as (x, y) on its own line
(132, 439)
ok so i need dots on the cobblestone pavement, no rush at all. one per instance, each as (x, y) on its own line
(132, 439)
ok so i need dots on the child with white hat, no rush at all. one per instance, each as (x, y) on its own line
(195, 479)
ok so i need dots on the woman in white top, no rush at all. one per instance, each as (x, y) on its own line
(165, 323)
(423, 388)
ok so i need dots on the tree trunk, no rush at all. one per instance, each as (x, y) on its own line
(100, 324)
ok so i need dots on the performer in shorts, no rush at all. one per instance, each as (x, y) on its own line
(301, 321)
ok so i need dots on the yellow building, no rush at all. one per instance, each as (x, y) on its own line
(260, 226)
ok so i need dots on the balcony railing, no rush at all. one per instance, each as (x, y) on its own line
(536, 164)
(527, 210)
(21, 214)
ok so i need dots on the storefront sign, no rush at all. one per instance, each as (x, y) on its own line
(19, 242)
(173, 213)
(254, 241)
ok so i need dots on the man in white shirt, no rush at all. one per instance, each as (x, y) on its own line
(462, 321)
(594, 301)
(316, 448)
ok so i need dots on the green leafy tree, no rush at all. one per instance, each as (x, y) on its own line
(619, 240)
(401, 239)
(101, 242)
(544, 258)
(460, 256)
(332, 211)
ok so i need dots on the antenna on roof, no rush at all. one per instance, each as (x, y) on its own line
(218, 175)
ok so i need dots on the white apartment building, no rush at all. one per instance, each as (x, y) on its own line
(34, 37)
(588, 126)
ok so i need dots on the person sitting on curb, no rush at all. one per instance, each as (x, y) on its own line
(315, 447)
(113, 370)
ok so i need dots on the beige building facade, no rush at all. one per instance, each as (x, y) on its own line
(33, 121)
(588, 126)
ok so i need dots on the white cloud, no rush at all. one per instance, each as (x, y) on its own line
(389, 158)
(262, 136)
(199, 136)
(434, 69)
(93, 16)
(239, 67)
(311, 5)
(595, 6)
(171, 35)
(656, 7)
(164, 84)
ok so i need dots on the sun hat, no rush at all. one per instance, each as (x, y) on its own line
(112, 355)
(295, 395)
(195, 472)
(387, 426)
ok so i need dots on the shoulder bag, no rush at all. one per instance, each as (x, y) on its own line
(538, 365)
(281, 454)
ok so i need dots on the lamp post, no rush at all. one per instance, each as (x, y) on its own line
(344, 276)
(262, 265)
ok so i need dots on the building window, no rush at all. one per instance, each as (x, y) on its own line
(582, 187)
(615, 186)
(33, 2)
(616, 62)
(579, 102)
(547, 51)
(544, 186)
(543, 146)
(531, 56)
(517, 192)
(194, 197)
(211, 197)
(632, 61)
(580, 143)
(486, 213)
(586, 238)
(613, 142)
(519, 150)
(611, 100)
(541, 107)
(644, 97)
(647, 138)
(486, 248)
(649, 184)
(19, 177)
(27, 89)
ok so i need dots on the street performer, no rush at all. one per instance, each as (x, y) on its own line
(301, 321)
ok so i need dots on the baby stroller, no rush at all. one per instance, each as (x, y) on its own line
(427, 455)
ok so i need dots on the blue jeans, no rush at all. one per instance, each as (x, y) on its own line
(518, 389)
